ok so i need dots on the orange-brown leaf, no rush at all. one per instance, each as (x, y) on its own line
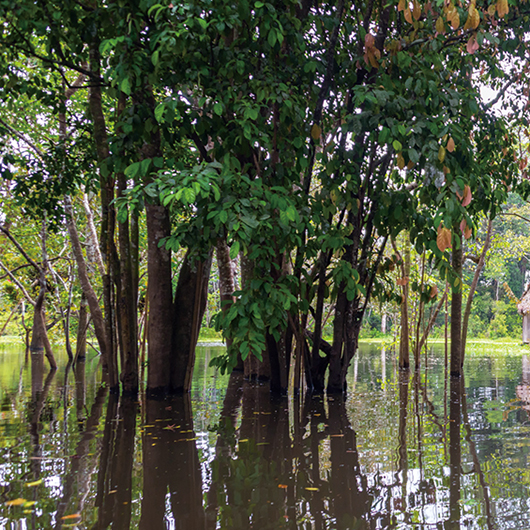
(443, 240)
(434, 291)
(502, 8)
(402, 281)
(450, 145)
(402, 5)
(408, 15)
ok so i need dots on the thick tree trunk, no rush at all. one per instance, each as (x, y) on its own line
(456, 311)
(190, 302)
(160, 300)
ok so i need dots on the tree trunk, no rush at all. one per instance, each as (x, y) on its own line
(82, 326)
(160, 301)
(456, 310)
(127, 305)
(226, 286)
(189, 306)
(91, 297)
(253, 367)
(474, 283)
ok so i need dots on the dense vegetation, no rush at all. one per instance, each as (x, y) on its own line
(346, 158)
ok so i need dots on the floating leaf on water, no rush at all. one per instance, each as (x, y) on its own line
(28, 504)
(16, 502)
(35, 483)
(71, 516)
(283, 486)
(312, 489)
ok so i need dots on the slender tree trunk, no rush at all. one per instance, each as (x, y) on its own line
(474, 283)
(82, 326)
(226, 286)
(456, 311)
(88, 291)
(127, 305)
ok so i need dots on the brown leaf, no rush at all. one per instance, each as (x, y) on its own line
(443, 241)
(402, 281)
(472, 44)
(408, 15)
(416, 10)
(466, 199)
(402, 4)
(434, 291)
(451, 145)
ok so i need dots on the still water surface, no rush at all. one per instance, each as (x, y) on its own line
(399, 452)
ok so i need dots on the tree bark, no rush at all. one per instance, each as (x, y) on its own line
(189, 305)
(456, 310)
(91, 297)
(474, 283)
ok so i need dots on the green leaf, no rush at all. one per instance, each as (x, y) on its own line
(132, 170)
(125, 86)
(234, 250)
(218, 109)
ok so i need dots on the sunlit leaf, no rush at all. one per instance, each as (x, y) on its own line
(16, 502)
(35, 483)
(312, 489)
(71, 516)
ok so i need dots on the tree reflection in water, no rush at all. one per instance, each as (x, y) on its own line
(389, 456)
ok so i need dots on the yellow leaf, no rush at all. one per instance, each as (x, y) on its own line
(400, 161)
(502, 7)
(71, 516)
(28, 504)
(315, 132)
(416, 10)
(440, 26)
(33, 484)
(473, 17)
(408, 15)
(491, 10)
(312, 489)
(451, 145)
(16, 502)
(441, 153)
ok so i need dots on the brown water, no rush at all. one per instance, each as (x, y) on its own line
(399, 452)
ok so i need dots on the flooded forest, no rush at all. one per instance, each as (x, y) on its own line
(263, 264)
